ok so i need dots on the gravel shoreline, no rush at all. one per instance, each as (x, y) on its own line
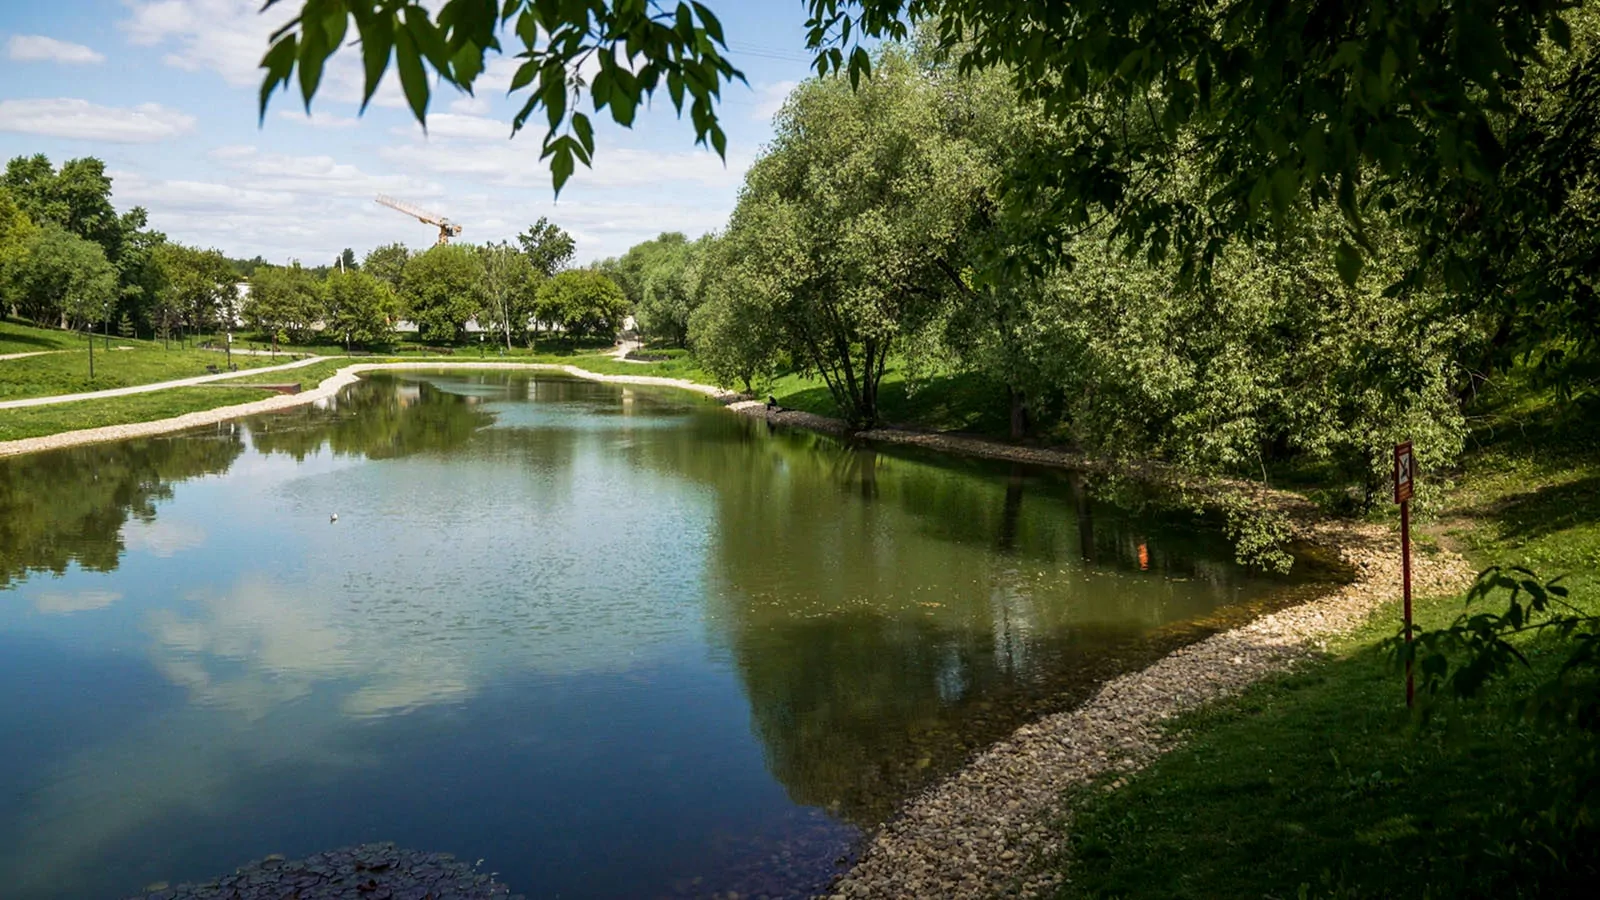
(984, 831)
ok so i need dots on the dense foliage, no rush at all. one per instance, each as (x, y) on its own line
(360, 307)
(661, 279)
(285, 302)
(442, 290)
(582, 303)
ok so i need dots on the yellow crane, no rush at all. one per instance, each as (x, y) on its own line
(447, 228)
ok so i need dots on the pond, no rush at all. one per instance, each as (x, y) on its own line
(612, 642)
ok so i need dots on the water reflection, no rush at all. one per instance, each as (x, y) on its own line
(69, 507)
(617, 643)
(888, 627)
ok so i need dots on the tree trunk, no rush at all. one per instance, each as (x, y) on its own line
(1019, 414)
(1011, 513)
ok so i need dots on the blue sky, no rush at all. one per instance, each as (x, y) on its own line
(165, 92)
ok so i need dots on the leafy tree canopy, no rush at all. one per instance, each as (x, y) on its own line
(583, 302)
(548, 247)
(510, 288)
(284, 299)
(361, 308)
(638, 47)
(66, 278)
(387, 263)
(443, 288)
(197, 287)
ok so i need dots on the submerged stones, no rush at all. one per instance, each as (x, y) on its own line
(363, 872)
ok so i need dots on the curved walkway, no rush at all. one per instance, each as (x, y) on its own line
(153, 386)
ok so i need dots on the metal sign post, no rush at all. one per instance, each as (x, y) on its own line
(1405, 471)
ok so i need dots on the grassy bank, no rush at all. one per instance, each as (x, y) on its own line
(1319, 782)
(38, 421)
(68, 373)
(20, 337)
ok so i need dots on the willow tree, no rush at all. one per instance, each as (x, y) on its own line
(864, 197)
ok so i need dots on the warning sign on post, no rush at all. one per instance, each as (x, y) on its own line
(1405, 472)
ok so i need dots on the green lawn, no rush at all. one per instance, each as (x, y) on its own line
(963, 402)
(68, 373)
(20, 337)
(36, 421)
(1320, 781)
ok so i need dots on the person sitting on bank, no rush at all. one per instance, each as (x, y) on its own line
(772, 404)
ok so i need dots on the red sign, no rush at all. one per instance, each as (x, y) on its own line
(1405, 472)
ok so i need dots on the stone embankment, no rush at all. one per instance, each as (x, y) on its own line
(983, 831)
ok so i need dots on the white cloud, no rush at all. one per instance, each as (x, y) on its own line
(229, 37)
(66, 117)
(224, 36)
(517, 164)
(470, 104)
(38, 48)
(61, 604)
(467, 127)
(318, 119)
(769, 99)
(162, 538)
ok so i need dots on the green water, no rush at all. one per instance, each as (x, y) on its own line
(615, 643)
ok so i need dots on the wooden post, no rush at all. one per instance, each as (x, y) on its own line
(1404, 482)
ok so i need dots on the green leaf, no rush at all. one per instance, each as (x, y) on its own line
(313, 53)
(523, 76)
(561, 166)
(413, 80)
(584, 131)
(377, 41)
(709, 22)
(279, 64)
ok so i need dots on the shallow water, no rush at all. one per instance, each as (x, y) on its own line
(614, 643)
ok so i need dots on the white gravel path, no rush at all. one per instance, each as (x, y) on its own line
(26, 354)
(154, 386)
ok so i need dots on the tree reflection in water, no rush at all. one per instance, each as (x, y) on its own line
(883, 640)
(69, 506)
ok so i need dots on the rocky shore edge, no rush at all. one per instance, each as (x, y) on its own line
(364, 872)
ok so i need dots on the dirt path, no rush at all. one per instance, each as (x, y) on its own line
(153, 386)
(622, 349)
(28, 353)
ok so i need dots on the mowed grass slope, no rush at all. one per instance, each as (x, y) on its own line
(68, 372)
(19, 337)
(38, 421)
(1321, 783)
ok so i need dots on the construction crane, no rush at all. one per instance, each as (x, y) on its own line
(447, 228)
